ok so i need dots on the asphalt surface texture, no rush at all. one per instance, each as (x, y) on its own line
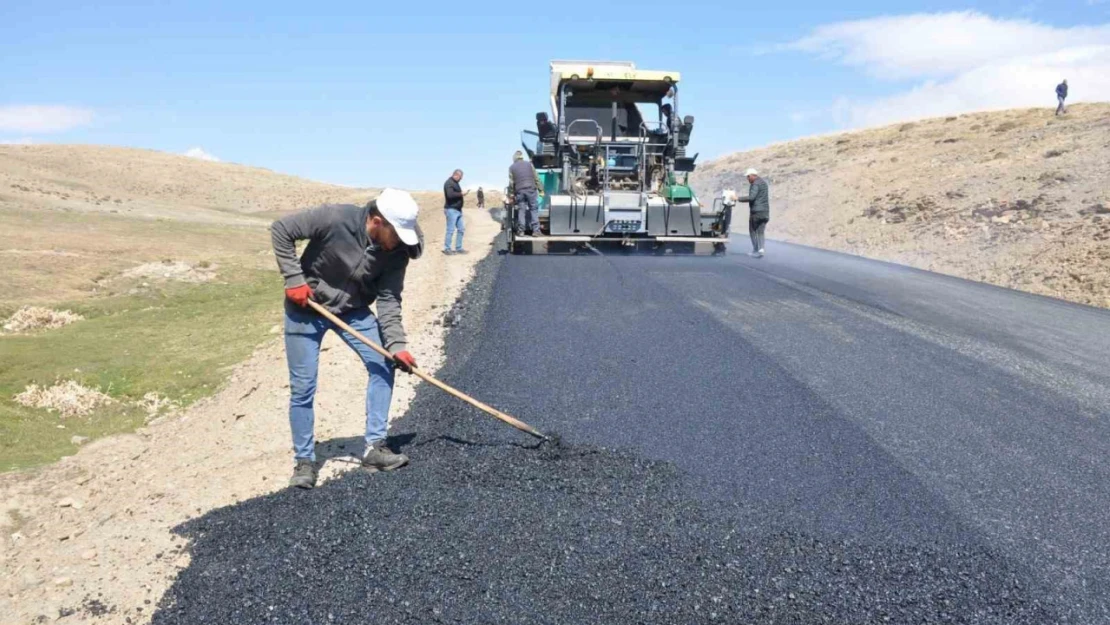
(804, 438)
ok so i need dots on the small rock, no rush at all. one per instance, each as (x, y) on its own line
(275, 329)
(89, 555)
(78, 440)
(63, 582)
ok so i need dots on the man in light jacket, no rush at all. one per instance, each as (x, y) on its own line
(759, 201)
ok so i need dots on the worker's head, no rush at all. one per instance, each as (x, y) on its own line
(518, 156)
(391, 220)
(752, 174)
(1065, 81)
(457, 175)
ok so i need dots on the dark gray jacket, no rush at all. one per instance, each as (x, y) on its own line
(452, 194)
(758, 197)
(345, 269)
(523, 177)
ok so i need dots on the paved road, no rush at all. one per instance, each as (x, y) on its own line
(853, 398)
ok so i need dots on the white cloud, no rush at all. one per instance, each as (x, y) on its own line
(42, 118)
(19, 141)
(198, 152)
(962, 62)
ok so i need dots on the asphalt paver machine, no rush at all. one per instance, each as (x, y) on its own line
(612, 159)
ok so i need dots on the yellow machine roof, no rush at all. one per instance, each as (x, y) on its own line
(590, 72)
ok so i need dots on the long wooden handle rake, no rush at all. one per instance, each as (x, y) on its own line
(516, 423)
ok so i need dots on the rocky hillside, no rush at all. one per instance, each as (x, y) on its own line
(1016, 198)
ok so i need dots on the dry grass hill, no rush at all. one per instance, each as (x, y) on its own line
(1016, 198)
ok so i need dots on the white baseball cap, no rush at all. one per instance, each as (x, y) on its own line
(751, 172)
(400, 210)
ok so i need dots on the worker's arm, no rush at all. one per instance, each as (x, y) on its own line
(754, 190)
(388, 304)
(285, 232)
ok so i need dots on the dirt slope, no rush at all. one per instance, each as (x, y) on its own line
(1015, 198)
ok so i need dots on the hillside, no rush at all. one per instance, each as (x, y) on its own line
(1015, 198)
(134, 182)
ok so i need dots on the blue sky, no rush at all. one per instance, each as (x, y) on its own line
(399, 94)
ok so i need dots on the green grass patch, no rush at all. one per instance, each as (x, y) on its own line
(179, 341)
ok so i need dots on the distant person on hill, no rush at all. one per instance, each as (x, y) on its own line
(481, 198)
(525, 187)
(453, 198)
(759, 201)
(1061, 95)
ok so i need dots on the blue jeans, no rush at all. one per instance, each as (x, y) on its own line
(527, 211)
(1060, 108)
(304, 331)
(454, 224)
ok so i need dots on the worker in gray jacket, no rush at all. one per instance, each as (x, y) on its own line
(356, 256)
(759, 202)
(525, 188)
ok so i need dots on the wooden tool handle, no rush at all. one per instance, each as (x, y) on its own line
(516, 423)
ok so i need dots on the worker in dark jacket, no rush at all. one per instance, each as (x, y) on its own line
(356, 256)
(453, 197)
(481, 198)
(759, 201)
(525, 187)
(1061, 95)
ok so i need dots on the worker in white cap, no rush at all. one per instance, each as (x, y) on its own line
(356, 256)
(759, 213)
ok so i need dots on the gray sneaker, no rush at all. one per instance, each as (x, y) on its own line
(379, 457)
(304, 474)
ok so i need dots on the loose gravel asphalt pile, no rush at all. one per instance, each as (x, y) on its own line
(486, 526)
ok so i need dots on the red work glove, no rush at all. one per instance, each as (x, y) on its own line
(405, 361)
(299, 294)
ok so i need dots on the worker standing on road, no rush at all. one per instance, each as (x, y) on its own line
(1061, 95)
(759, 202)
(481, 198)
(525, 187)
(453, 198)
(356, 256)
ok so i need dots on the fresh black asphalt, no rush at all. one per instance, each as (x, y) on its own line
(804, 438)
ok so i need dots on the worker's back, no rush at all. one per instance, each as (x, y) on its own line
(524, 176)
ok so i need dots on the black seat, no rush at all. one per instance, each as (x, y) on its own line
(684, 130)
